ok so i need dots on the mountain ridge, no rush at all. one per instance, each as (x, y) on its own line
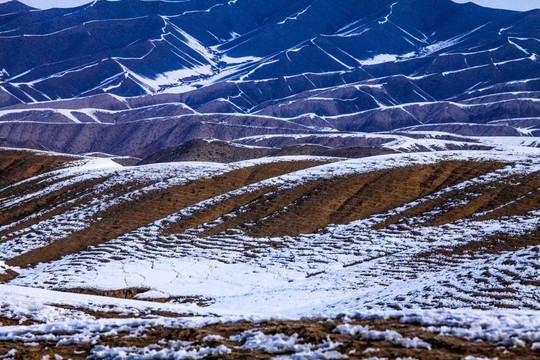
(358, 66)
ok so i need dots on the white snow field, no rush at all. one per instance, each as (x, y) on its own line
(57, 325)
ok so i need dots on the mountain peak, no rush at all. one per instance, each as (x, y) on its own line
(13, 6)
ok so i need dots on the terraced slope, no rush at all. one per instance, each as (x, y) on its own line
(198, 259)
(442, 229)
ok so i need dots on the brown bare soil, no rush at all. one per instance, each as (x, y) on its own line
(4, 321)
(310, 331)
(494, 244)
(131, 293)
(115, 315)
(52, 203)
(8, 276)
(340, 200)
(17, 165)
(197, 300)
(128, 216)
(492, 199)
(526, 189)
(489, 198)
(215, 211)
(120, 294)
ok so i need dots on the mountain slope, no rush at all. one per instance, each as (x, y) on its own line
(351, 66)
(428, 225)
(307, 179)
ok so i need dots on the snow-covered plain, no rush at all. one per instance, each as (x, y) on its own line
(63, 327)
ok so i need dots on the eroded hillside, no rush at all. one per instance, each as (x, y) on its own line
(318, 222)
(178, 250)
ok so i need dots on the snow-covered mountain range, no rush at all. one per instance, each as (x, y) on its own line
(178, 70)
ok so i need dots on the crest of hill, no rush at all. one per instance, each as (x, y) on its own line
(212, 150)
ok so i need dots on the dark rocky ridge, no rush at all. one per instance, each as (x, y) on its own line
(142, 138)
(9, 143)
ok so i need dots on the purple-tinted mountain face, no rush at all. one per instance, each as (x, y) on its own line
(93, 78)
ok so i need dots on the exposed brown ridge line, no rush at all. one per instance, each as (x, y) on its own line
(53, 203)
(18, 165)
(60, 201)
(316, 204)
(512, 196)
(341, 200)
(128, 216)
